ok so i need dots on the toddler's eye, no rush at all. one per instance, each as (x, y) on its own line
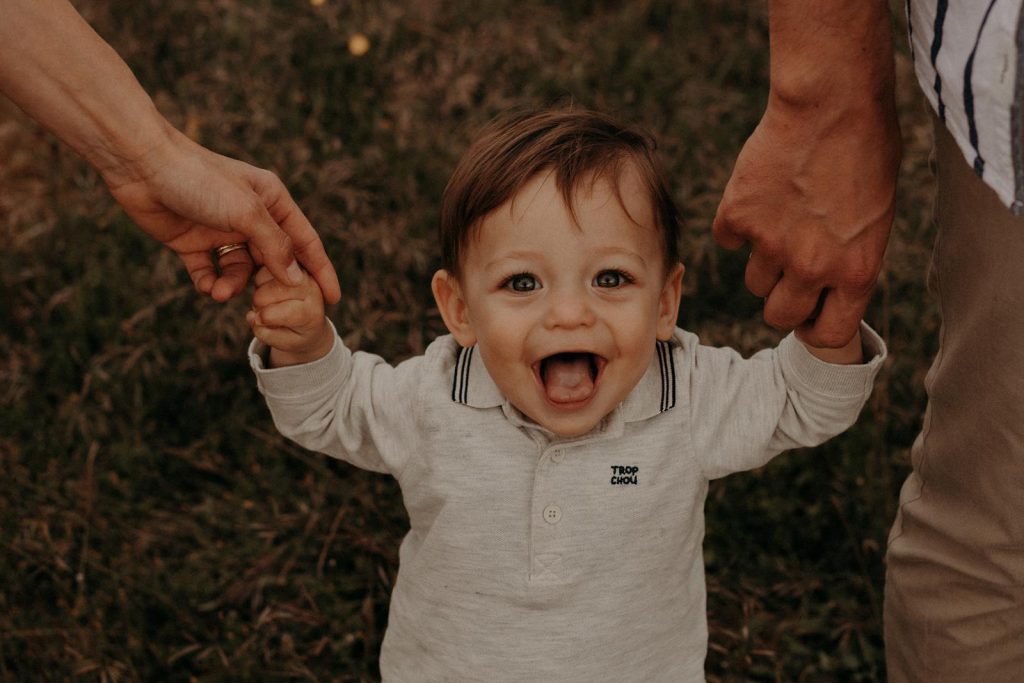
(611, 279)
(523, 282)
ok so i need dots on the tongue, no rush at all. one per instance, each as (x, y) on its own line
(567, 378)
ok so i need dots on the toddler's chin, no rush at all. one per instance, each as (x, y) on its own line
(570, 429)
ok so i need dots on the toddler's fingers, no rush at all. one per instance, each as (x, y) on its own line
(277, 337)
(262, 277)
(838, 321)
(790, 303)
(273, 292)
(297, 315)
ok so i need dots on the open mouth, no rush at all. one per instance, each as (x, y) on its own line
(570, 377)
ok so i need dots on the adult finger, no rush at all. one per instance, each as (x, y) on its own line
(314, 259)
(256, 254)
(308, 249)
(790, 303)
(724, 229)
(762, 273)
(235, 269)
(275, 247)
(200, 269)
(838, 321)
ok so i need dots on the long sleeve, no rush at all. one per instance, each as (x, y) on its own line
(353, 406)
(746, 411)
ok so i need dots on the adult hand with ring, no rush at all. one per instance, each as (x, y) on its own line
(194, 200)
(234, 264)
(55, 67)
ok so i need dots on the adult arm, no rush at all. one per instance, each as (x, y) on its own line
(63, 75)
(813, 187)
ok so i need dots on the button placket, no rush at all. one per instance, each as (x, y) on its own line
(546, 551)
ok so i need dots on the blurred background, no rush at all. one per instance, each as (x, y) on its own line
(153, 526)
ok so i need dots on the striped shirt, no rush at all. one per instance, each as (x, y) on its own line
(969, 60)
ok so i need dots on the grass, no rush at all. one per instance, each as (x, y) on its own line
(152, 524)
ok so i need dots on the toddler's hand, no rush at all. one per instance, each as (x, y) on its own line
(290, 320)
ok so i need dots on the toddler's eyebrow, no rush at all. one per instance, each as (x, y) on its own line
(620, 251)
(527, 255)
(517, 255)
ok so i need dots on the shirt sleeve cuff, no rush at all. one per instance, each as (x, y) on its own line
(805, 370)
(301, 380)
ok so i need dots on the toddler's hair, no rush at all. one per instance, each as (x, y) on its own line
(575, 145)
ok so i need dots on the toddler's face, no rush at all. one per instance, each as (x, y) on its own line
(565, 315)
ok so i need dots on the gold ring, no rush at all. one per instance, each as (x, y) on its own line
(228, 248)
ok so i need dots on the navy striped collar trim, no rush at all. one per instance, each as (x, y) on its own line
(655, 393)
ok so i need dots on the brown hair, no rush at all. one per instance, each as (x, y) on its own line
(574, 145)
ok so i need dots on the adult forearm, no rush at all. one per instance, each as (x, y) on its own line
(831, 51)
(813, 189)
(55, 67)
(63, 75)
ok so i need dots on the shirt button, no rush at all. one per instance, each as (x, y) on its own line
(557, 455)
(552, 513)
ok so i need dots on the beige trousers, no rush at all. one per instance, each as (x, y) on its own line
(954, 594)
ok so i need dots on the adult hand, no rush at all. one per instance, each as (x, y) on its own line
(194, 200)
(814, 186)
(62, 74)
(816, 207)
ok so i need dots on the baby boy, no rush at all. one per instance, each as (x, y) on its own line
(554, 450)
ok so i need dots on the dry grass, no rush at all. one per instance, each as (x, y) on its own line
(153, 527)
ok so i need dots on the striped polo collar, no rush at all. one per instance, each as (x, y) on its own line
(655, 393)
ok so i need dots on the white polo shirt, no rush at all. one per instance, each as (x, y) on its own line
(533, 558)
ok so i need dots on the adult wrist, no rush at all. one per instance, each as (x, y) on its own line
(56, 68)
(124, 157)
(833, 53)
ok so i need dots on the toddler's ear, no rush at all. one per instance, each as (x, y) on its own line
(452, 306)
(668, 304)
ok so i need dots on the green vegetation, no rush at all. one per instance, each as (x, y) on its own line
(153, 526)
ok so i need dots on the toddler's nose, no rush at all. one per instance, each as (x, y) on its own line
(569, 309)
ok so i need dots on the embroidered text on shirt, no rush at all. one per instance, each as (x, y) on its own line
(624, 475)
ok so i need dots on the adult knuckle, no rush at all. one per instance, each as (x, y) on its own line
(309, 247)
(282, 242)
(266, 176)
(805, 268)
(777, 320)
(249, 213)
(735, 218)
(727, 216)
(861, 277)
(769, 248)
(255, 208)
